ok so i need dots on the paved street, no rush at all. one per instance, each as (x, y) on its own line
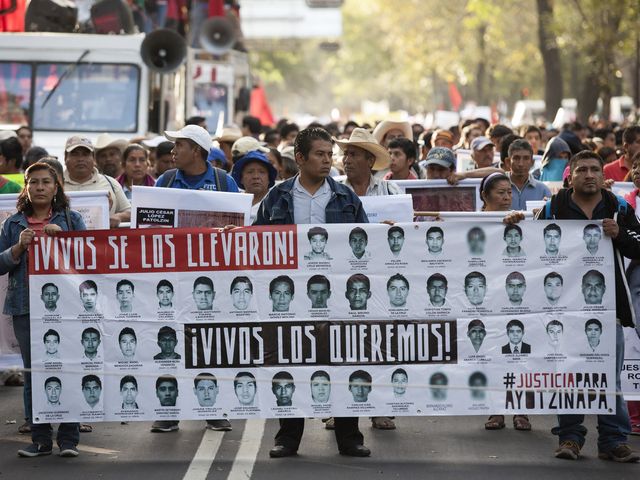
(443, 448)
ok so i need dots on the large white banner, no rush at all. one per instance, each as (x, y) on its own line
(442, 318)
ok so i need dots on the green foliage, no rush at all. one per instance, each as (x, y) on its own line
(405, 52)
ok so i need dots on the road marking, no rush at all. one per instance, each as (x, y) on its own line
(247, 453)
(202, 460)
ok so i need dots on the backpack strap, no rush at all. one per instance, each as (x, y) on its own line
(222, 185)
(169, 176)
(217, 175)
(110, 184)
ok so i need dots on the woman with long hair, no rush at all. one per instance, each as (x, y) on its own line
(42, 209)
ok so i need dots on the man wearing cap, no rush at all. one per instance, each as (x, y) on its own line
(254, 173)
(440, 163)
(442, 138)
(82, 175)
(193, 172)
(482, 152)
(225, 140)
(362, 153)
(313, 197)
(109, 154)
(244, 145)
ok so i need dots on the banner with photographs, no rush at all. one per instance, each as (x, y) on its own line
(451, 318)
(94, 208)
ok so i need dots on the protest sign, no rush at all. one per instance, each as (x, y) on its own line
(174, 207)
(457, 318)
(396, 208)
(438, 195)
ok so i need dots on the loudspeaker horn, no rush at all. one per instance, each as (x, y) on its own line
(217, 35)
(163, 50)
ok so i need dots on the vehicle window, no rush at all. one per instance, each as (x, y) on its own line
(90, 97)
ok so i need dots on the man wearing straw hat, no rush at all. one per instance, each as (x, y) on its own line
(109, 154)
(388, 130)
(226, 139)
(362, 153)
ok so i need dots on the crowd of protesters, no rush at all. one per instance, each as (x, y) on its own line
(356, 160)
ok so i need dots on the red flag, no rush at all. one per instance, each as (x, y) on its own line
(260, 106)
(454, 96)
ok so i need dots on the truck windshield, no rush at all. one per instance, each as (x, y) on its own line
(91, 97)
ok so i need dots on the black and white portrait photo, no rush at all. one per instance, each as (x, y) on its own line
(320, 386)
(283, 387)
(318, 238)
(360, 386)
(50, 296)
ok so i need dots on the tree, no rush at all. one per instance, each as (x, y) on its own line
(550, 57)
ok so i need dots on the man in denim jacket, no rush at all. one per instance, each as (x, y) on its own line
(313, 197)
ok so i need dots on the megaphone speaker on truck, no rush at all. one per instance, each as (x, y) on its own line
(163, 50)
(218, 35)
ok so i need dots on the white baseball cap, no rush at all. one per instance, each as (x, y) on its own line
(194, 133)
(244, 145)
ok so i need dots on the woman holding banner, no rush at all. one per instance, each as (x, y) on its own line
(495, 191)
(43, 209)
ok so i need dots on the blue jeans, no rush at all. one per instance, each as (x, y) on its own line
(199, 14)
(612, 429)
(22, 331)
(68, 434)
(156, 19)
(42, 433)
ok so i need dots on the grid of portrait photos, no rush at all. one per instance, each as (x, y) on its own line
(433, 318)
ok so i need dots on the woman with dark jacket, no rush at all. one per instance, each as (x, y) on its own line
(43, 209)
